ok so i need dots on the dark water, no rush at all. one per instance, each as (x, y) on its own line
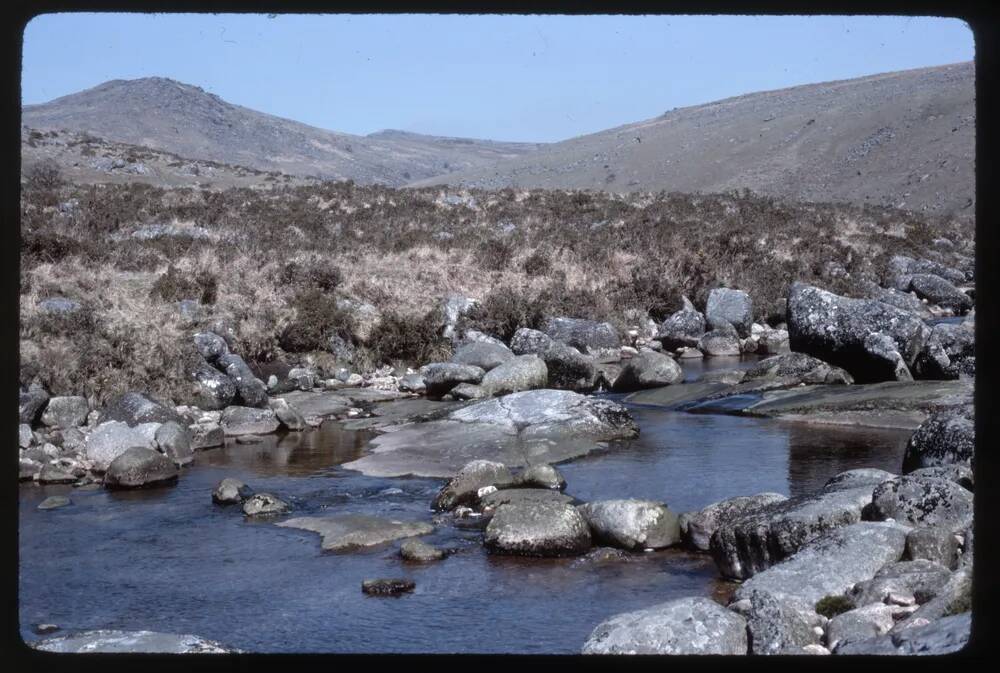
(169, 560)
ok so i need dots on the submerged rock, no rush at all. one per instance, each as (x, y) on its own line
(387, 587)
(537, 529)
(419, 551)
(54, 502)
(133, 642)
(346, 532)
(682, 626)
(631, 524)
(518, 496)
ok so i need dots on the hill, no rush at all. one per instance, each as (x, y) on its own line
(903, 139)
(185, 120)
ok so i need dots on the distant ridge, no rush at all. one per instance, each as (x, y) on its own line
(186, 120)
(902, 139)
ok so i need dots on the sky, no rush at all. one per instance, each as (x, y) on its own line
(530, 78)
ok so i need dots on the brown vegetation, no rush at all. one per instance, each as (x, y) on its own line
(281, 256)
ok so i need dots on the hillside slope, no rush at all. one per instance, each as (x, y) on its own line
(904, 139)
(185, 120)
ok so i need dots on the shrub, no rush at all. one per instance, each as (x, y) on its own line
(44, 176)
(317, 318)
(503, 311)
(831, 606)
(312, 275)
(496, 255)
(537, 263)
(410, 339)
(175, 285)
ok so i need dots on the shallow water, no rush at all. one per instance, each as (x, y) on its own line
(170, 560)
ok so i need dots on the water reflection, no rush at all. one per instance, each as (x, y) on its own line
(293, 453)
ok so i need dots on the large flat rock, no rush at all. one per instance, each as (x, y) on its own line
(526, 428)
(336, 402)
(344, 532)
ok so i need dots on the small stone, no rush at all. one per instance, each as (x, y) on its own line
(387, 587)
(42, 629)
(264, 504)
(231, 491)
(815, 649)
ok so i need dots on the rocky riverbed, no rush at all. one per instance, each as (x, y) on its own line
(637, 517)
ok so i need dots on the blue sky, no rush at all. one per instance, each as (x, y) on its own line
(531, 78)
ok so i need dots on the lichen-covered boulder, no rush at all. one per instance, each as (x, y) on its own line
(251, 390)
(683, 328)
(922, 502)
(730, 306)
(947, 437)
(697, 527)
(134, 408)
(66, 412)
(520, 373)
(770, 534)
(248, 421)
(631, 524)
(949, 353)
(526, 340)
(590, 337)
(719, 343)
(797, 368)
(938, 291)
(441, 377)
(839, 331)
(212, 390)
(683, 626)
(648, 369)
(482, 354)
(537, 529)
(140, 467)
(463, 487)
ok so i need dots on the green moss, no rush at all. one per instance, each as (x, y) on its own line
(831, 606)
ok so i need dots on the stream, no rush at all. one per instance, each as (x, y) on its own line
(170, 560)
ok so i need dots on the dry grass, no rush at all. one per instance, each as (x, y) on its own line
(279, 253)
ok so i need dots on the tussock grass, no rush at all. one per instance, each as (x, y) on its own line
(281, 256)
